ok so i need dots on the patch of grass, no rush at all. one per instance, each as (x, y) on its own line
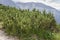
(57, 36)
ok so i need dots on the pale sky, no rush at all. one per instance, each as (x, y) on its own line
(52, 3)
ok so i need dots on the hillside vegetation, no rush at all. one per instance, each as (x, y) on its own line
(28, 24)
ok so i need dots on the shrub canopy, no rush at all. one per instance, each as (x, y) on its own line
(26, 23)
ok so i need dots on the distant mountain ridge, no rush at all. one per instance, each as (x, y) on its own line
(32, 5)
(7, 2)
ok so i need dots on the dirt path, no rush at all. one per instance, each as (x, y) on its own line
(4, 37)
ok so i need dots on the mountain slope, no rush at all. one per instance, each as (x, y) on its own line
(31, 5)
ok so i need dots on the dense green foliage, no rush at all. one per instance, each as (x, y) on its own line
(26, 23)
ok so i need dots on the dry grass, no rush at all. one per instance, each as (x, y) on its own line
(1, 25)
(57, 36)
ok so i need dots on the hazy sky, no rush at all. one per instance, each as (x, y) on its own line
(53, 3)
